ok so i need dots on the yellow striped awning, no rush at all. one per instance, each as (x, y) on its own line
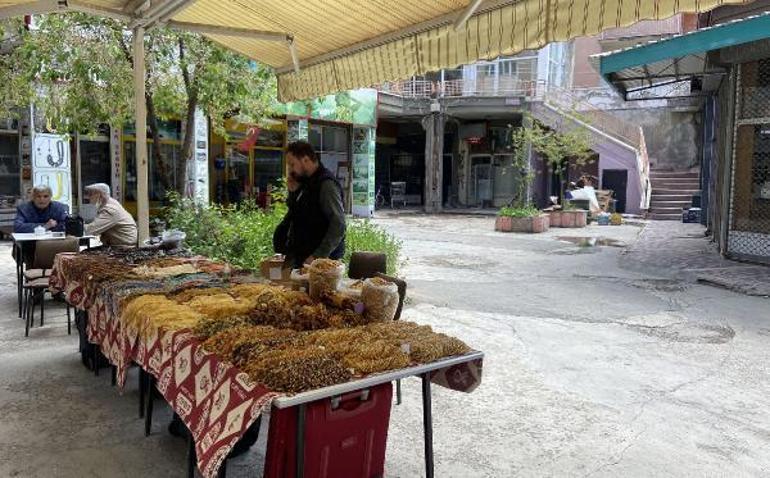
(348, 44)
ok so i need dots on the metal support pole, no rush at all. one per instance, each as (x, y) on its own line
(427, 424)
(140, 125)
(300, 441)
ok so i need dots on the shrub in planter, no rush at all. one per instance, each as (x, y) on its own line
(521, 219)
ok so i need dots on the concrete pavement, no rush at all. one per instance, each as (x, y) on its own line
(592, 369)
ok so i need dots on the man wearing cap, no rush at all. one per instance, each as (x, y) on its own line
(113, 224)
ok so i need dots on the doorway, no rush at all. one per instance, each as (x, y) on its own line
(616, 180)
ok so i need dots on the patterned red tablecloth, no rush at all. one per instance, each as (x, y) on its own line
(216, 401)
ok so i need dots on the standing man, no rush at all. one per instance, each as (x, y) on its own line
(317, 214)
(40, 211)
(113, 224)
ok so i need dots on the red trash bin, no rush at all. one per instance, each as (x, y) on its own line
(344, 437)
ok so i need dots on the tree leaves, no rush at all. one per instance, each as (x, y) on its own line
(77, 69)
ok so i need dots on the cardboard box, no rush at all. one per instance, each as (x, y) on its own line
(272, 269)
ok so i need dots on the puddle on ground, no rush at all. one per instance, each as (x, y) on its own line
(587, 241)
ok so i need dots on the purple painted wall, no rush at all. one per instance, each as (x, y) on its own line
(614, 156)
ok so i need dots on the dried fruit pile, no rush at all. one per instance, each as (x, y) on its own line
(147, 313)
(289, 361)
(281, 338)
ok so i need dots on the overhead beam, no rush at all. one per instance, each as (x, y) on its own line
(77, 6)
(134, 6)
(462, 19)
(155, 11)
(293, 54)
(229, 31)
(33, 8)
(174, 10)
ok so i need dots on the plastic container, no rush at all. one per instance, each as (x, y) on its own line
(325, 276)
(380, 297)
(344, 438)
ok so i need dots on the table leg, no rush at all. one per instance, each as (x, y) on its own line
(149, 404)
(300, 444)
(191, 461)
(19, 273)
(427, 424)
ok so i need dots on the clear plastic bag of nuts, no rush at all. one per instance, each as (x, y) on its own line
(325, 276)
(380, 298)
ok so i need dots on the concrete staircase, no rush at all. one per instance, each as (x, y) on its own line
(671, 192)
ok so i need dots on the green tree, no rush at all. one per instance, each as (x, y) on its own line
(558, 149)
(77, 69)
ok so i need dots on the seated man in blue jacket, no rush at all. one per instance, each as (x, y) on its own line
(40, 211)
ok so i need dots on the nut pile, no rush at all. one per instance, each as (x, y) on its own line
(292, 361)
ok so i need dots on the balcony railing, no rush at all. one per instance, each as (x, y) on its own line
(483, 86)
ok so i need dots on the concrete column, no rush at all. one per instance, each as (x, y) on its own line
(140, 125)
(434, 160)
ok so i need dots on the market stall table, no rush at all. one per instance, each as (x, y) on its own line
(217, 401)
(24, 239)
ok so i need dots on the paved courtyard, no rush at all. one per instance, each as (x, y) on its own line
(599, 362)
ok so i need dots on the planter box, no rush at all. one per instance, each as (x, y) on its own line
(569, 219)
(536, 224)
(504, 224)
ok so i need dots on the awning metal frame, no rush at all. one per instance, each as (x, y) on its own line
(693, 46)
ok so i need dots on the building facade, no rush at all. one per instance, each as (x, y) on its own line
(447, 135)
(725, 65)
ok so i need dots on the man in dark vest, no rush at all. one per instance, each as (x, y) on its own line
(315, 223)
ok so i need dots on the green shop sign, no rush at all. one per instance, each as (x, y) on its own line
(354, 106)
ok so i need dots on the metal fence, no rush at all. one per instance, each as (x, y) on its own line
(749, 222)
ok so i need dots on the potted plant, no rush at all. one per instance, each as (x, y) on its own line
(559, 149)
(526, 219)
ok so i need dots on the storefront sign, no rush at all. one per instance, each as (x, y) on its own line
(201, 163)
(353, 106)
(51, 166)
(297, 130)
(116, 160)
(363, 171)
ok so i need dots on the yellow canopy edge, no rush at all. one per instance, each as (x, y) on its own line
(348, 44)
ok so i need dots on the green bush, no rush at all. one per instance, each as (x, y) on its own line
(526, 211)
(243, 236)
(364, 235)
